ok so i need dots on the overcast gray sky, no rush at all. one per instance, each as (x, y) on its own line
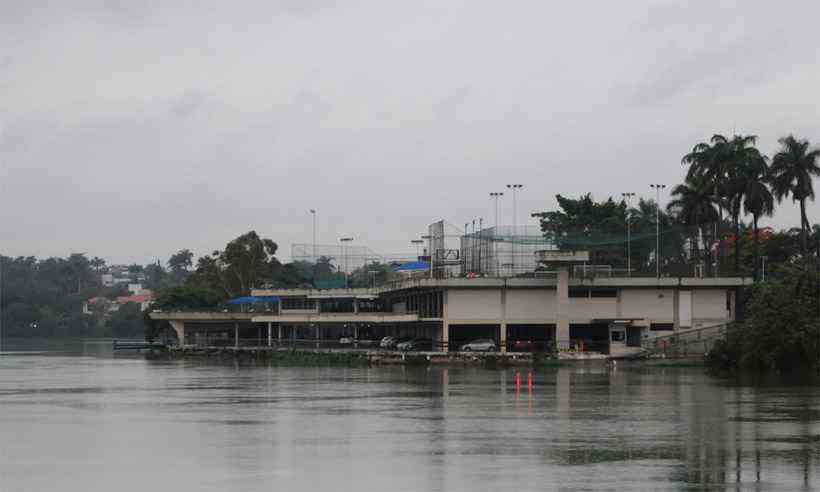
(130, 129)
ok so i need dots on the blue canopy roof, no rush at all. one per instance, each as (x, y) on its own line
(252, 299)
(412, 266)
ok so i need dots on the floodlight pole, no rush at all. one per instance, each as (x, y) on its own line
(658, 188)
(514, 188)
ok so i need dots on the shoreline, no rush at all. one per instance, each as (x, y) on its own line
(375, 358)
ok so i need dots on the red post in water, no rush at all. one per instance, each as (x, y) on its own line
(529, 381)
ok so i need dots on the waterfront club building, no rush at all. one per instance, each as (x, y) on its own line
(601, 314)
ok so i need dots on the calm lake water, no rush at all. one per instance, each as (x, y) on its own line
(85, 421)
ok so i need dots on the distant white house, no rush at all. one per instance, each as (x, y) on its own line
(109, 280)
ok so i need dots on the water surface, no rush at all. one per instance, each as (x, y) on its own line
(95, 422)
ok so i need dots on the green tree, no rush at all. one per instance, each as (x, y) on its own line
(719, 164)
(757, 200)
(180, 263)
(584, 224)
(780, 332)
(98, 264)
(126, 322)
(372, 273)
(187, 297)
(793, 168)
(156, 277)
(247, 262)
(694, 205)
(744, 163)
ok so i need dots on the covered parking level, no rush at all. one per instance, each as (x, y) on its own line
(530, 336)
(459, 334)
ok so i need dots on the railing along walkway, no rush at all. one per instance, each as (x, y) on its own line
(694, 341)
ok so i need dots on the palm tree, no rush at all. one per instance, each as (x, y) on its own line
(741, 159)
(720, 164)
(694, 205)
(757, 200)
(792, 170)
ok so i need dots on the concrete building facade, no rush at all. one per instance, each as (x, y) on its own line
(601, 314)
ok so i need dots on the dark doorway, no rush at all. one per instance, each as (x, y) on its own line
(590, 338)
(530, 338)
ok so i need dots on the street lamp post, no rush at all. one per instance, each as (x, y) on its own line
(515, 188)
(628, 200)
(658, 188)
(344, 240)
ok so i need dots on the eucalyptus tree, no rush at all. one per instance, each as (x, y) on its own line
(694, 204)
(793, 168)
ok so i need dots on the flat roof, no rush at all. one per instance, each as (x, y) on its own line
(510, 283)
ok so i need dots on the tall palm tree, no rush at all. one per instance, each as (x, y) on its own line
(793, 168)
(757, 200)
(706, 166)
(741, 159)
(720, 163)
(694, 204)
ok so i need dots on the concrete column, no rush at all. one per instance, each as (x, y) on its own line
(179, 328)
(355, 332)
(355, 306)
(270, 334)
(676, 309)
(562, 311)
(236, 335)
(445, 324)
(502, 329)
(279, 331)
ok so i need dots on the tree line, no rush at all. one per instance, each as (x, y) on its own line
(703, 226)
(44, 297)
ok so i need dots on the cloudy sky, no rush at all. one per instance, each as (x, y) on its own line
(132, 128)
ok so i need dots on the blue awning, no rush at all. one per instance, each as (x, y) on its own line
(412, 266)
(252, 299)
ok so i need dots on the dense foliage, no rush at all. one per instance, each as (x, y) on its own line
(781, 329)
(600, 228)
(44, 298)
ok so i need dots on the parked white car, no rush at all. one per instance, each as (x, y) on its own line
(480, 345)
